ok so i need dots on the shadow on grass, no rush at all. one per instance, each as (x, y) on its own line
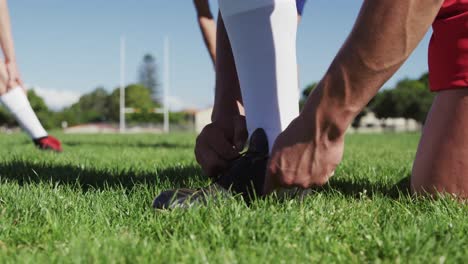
(369, 189)
(24, 172)
(127, 144)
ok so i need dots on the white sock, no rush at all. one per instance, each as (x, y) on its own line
(18, 104)
(263, 39)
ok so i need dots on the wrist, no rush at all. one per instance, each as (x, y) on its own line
(326, 117)
(224, 112)
(10, 59)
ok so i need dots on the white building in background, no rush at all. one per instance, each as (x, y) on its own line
(202, 118)
(369, 123)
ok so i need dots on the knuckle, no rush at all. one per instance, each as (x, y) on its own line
(286, 181)
(322, 181)
(304, 185)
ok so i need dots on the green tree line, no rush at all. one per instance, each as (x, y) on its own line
(98, 106)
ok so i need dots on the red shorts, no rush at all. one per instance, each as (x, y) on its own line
(448, 48)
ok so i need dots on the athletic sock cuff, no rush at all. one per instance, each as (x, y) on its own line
(15, 99)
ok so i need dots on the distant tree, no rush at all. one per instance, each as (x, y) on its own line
(91, 107)
(424, 79)
(384, 104)
(410, 98)
(39, 106)
(306, 92)
(413, 99)
(94, 106)
(6, 119)
(138, 97)
(148, 76)
(37, 103)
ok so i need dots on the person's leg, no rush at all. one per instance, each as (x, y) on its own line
(17, 103)
(263, 39)
(207, 26)
(441, 163)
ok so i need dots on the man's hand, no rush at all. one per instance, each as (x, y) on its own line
(219, 143)
(384, 35)
(3, 78)
(14, 78)
(303, 156)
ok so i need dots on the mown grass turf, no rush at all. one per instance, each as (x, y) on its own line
(92, 203)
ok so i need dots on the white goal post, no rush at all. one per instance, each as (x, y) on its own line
(129, 110)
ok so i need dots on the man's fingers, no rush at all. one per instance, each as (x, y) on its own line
(3, 72)
(277, 177)
(12, 84)
(268, 186)
(209, 160)
(216, 140)
(3, 78)
(271, 179)
(20, 82)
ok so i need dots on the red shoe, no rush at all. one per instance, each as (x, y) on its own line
(48, 143)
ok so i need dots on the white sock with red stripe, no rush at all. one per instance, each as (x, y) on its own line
(263, 39)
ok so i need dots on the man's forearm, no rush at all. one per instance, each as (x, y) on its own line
(228, 99)
(385, 34)
(6, 39)
(207, 26)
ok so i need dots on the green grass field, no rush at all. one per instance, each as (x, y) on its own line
(93, 204)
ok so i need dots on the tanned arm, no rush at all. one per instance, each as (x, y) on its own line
(223, 139)
(207, 26)
(384, 35)
(6, 42)
(6, 39)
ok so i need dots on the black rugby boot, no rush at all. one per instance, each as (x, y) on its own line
(245, 176)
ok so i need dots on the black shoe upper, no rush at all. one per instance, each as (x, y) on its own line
(246, 175)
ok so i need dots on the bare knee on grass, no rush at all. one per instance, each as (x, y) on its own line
(441, 164)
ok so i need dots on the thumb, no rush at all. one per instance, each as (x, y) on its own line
(20, 82)
(270, 183)
(240, 132)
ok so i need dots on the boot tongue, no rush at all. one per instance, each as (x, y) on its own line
(258, 142)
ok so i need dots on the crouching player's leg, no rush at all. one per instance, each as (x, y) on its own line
(441, 163)
(15, 100)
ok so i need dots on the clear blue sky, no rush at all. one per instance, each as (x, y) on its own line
(70, 47)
